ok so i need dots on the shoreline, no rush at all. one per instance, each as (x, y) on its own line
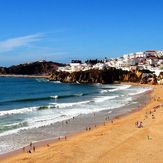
(114, 115)
(41, 144)
(25, 76)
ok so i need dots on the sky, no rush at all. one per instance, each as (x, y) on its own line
(62, 30)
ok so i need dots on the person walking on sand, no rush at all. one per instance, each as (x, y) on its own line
(30, 144)
(149, 138)
(140, 124)
(34, 148)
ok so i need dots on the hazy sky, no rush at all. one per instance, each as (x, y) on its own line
(61, 30)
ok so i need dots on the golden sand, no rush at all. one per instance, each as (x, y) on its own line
(117, 142)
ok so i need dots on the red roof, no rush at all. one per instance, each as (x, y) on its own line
(150, 51)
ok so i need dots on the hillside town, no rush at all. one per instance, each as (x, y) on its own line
(148, 60)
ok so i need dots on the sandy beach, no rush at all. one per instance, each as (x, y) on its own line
(136, 137)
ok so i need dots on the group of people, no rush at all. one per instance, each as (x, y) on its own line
(156, 98)
(107, 118)
(29, 148)
(139, 124)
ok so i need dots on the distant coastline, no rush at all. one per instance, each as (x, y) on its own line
(93, 74)
(25, 76)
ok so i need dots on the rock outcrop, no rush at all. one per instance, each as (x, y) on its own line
(148, 78)
(91, 76)
(111, 75)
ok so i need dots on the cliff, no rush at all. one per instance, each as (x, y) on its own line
(34, 68)
(108, 76)
(96, 76)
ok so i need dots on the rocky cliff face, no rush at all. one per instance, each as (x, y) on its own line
(35, 68)
(148, 78)
(96, 76)
(92, 76)
(3, 70)
(101, 76)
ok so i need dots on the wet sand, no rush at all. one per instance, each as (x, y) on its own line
(119, 140)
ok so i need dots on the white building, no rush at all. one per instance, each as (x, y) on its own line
(150, 53)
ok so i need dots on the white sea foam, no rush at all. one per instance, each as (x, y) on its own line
(64, 105)
(57, 82)
(35, 108)
(123, 87)
(103, 91)
(55, 97)
(140, 91)
(16, 124)
(18, 111)
(42, 80)
(46, 117)
(55, 105)
(104, 98)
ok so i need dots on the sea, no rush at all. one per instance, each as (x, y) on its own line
(35, 109)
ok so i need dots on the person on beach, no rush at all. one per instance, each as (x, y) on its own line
(153, 117)
(30, 144)
(136, 124)
(148, 137)
(139, 124)
(34, 148)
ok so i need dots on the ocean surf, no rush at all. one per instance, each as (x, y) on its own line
(36, 109)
